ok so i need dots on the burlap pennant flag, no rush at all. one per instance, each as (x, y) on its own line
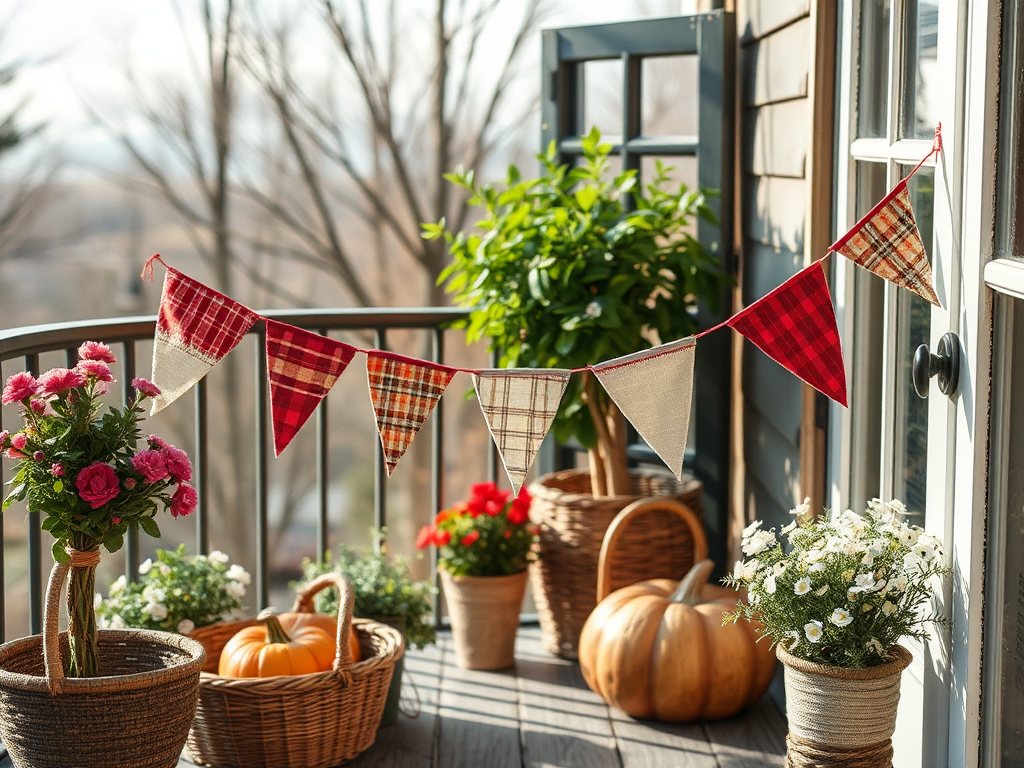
(796, 326)
(886, 241)
(653, 389)
(196, 327)
(301, 368)
(519, 405)
(404, 391)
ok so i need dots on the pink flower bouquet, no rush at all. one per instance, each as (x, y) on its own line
(86, 475)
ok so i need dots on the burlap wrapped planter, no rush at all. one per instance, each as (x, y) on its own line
(838, 717)
(484, 611)
(572, 525)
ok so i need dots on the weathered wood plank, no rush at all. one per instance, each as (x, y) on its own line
(777, 67)
(757, 18)
(563, 723)
(755, 739)
(650, 744)
(775, 463)
(774, 210)
(479, 717)
(776, 138)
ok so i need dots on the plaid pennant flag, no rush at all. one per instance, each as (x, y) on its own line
(519, 405)
(196, 327)
(404, 391)
(653, 389)
(302, 367)
(796, 326)
(887, 242)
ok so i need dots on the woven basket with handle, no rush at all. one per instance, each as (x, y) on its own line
(135, 715)
(572, 526)
(301, 721)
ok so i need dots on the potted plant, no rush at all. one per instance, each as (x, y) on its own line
(484, 547)
(384, 591)
(564, 271)
(835, 603)
(87, 477)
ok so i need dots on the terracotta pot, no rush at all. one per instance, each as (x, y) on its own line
(484, 611)
(838, 715)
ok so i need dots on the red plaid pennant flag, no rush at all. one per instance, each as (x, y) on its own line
(196, 327)
(653, 389)
(404, 391)
(519, 405)
(887, 242)
(796, 326)
(301, 367)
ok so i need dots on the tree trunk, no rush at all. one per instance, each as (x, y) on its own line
(609, 472)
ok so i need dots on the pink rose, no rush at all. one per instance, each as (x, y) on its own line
(20, 386)
(96, 350)
(19, 440)
(38, 456)
(129, 483)
(4, 437)
(57, 469)
(184, 500)
(58, 380)
(177, 463)
(156, 442)
(146, 387)
(151, 465)
(95, 369)
(115, 520)
(98, 484)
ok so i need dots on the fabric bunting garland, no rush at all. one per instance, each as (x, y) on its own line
(795, 325)
(519, 405)
(887, 242)
(661, 413)
(404, 391)
(196, 327)
(301, 367)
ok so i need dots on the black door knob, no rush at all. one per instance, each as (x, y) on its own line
(945, 364)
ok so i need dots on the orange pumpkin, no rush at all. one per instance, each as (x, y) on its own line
(329, 624)
(266, 650)
(658, 649)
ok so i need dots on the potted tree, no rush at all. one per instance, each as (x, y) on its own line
(564, 271)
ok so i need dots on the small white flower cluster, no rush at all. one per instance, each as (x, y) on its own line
(846, 589)
(177, 593)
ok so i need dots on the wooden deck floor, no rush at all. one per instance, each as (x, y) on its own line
(542, 715)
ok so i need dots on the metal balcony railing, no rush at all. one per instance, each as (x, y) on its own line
(24, 346)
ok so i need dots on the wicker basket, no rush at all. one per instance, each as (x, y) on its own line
(572, 526)
(136, 715)
(304, 721)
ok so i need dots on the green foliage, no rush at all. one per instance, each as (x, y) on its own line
(559, 274)
(177, 593)
(848, 589)
(384, 590)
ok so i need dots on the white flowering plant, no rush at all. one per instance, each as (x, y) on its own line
(847, 587)
(177, 593)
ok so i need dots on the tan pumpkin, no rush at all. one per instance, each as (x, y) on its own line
(266, 650)
(657, 649)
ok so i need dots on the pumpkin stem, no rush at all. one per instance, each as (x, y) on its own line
(275, 632)
(689, 590)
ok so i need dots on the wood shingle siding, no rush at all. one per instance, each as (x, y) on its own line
(759, 18)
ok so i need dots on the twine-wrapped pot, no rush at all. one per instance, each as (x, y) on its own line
(572, 525)
(838, 717)
(301, 721)
(135, 715)
(484, 611)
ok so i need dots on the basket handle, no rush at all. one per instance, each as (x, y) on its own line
(346, 604)
(51, 628)
(618, 527)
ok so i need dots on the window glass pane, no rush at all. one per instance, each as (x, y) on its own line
(920, 100)
(602, 97)
(913, 328)
(873, 70)
(868, 350)
(668, 96)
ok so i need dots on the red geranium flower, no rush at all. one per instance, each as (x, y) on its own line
(425, 537)
(442, 537)
(519, 513)
(469, 538)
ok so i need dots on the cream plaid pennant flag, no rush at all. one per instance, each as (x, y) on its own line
(519, 405)
(653, 389)
(404, 391)
(196, 327)
(887, 242)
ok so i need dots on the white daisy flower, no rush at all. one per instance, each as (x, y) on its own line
(778, 569)
(888, 608)
(116, 622)
(786, 530)
(239, 574)
(802, 586)
(236, 589)
(119, 585)
(816, 567)
(769, 584)
(145, 566)
(813, 631)
(758, 543)
(97, 600)
(840, 617)
(821, 590)
(156, 611)
(219, 557)
(749, 530)
(899, 584)
(185, 627)
(875, 646)
(745, 570)
(802, 511)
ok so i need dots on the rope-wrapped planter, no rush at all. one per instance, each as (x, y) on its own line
(136, 714)
(303, 721)
(572, 525)
(838, 717)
